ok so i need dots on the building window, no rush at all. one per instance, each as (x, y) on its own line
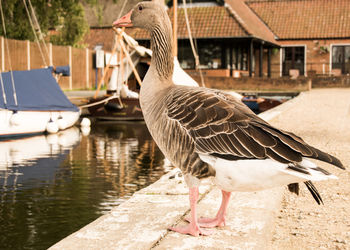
(210, 55)
(214, 55)
(185, 55)
(293, 58)
(240, 58)
(341, 58)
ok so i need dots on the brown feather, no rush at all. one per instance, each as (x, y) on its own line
(219, 124)
(231, 139)
(286, 152)
(276, 157)
(247, 142)
(259, 136)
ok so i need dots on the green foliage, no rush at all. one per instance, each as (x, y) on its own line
(72, 25)
(65, 16)
(16, 19)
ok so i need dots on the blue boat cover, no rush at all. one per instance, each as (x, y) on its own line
(64, 70)
(35, 89)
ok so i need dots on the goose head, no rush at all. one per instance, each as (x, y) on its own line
(145, 15)
(153, 18)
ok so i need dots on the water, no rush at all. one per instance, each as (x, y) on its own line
(51, 186)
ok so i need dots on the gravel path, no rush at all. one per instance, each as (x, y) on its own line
(322, 119)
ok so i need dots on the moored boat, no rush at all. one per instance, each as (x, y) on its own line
(116, 108)
(31, 102)
(261, 104)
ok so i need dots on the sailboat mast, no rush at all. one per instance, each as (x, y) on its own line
(175, 28)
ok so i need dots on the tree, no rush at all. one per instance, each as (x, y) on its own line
(64, 16)
(72, 25)
(16, 19)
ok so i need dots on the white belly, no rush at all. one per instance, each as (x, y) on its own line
(254, 175)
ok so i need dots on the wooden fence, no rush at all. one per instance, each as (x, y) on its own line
(25, 55)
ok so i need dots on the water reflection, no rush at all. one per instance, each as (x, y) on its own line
(52, 186)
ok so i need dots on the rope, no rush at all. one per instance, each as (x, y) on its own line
(127, 66)
(99, 102)
(3, 89)
(8, 54)
(122, 9)
(196, 57)
(35, 35)
(37, 24)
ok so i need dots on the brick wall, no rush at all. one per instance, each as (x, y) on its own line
(257, 83)
(318, 62)
(274, 84)
(331, 82)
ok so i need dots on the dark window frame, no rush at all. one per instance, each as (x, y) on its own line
(291, 59)
(341, 58)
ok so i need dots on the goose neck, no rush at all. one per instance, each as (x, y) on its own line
(162, 58)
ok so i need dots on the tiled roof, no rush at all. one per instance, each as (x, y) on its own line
(103, 36)
(251, 23)
(206, 22)
(304, 19)
(209, 22)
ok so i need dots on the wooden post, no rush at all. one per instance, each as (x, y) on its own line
(251, 55)
(223, 55)
(231, 60)
(50, 54)
(238, 51)
(87, 67)
(269, 62)
(130, 62)
(175, 28)
(242, 51)
(70, 66)
(121, 68)
(2, 54)
(28, 54)
(261, 51)
(309, 84)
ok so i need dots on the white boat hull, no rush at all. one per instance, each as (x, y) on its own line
(25, 123)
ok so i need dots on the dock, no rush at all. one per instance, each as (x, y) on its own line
(321, 117)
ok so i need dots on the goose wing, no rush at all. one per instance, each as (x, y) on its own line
(223, 126)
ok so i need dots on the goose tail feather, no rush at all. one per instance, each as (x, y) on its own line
(310, 186)
(294, 188)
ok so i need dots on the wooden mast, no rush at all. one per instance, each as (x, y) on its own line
(175, 28)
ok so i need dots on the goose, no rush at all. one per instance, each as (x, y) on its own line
(209, 133)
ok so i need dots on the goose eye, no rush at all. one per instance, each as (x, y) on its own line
(140, 7)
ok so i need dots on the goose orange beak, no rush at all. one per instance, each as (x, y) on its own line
(124, 21)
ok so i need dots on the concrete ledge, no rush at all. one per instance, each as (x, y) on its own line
(138, 223)
(142, 221)
(250, 222)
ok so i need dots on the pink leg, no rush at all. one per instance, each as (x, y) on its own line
(219, 219)
(192, 228)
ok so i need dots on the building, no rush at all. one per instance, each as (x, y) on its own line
(314, 34)
(259, 38)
